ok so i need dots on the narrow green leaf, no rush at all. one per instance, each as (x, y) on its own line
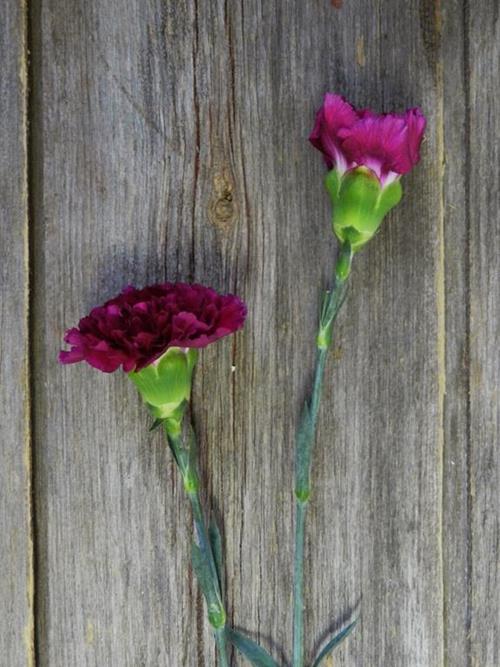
(192, 446)
(254, 653)
(175, 449)
(191, 455)
(156, 423)
(202, 571)
(335, 302)
(216, 613)
(215, 538)
(335, 641)
(303, 448)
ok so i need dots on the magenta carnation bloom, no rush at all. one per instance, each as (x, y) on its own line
(366, 154)
(135, 328)
(387, 144)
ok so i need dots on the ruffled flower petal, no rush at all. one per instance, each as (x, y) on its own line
(139, 325)
(388, 144)
(335, 114)
(416, 127)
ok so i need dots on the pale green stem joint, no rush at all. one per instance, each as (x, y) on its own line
(217, 617)
(191, 481)
(322, 340)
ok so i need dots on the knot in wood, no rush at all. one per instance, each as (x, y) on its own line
(223, 210)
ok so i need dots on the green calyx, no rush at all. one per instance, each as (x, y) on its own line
(360, 204)
(165, 385)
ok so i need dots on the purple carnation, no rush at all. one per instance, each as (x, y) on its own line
(139, 325)
(388, 144)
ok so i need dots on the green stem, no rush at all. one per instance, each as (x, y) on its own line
(298, 585)
(305, 441)
(203, 539)
(221, 641)
(186, 462)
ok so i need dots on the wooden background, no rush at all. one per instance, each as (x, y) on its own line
(152, 139)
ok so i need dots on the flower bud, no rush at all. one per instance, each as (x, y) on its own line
(360, 202)
(165, 385)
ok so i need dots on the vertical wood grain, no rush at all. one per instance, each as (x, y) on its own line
(116, 160)
(456, 501)
(484, 211)
(16, 547)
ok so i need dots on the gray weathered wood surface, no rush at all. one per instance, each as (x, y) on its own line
(16, 547)
(168, 140)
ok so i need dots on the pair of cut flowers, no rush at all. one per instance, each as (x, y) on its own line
(154, 333)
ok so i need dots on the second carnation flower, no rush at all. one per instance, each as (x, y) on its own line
(366, 154)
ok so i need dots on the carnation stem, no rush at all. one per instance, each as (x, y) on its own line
(298, 585)
(217, 619)
(332, 303)
(221, 641)
(208, 576)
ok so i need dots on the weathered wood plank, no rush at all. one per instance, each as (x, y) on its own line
(16, 549)
(115, 139)
(483, 125)
(456, 526)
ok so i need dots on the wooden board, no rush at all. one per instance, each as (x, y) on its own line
(483, 124)
(16, 546)
(456, 519)
(169, 140)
